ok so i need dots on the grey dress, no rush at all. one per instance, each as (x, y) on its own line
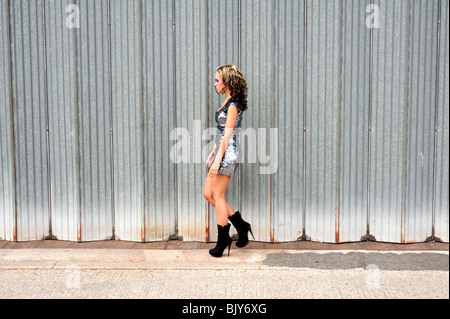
(231, 158)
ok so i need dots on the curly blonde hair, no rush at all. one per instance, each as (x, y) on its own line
(232, 78)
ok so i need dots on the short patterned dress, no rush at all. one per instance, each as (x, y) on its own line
(231, 158)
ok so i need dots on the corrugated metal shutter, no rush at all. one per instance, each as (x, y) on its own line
(441, 198)
(7, 187)
(30, 120)
(352, 121)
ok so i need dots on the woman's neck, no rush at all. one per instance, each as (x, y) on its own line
(228, 94)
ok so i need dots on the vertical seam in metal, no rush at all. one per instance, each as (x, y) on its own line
(111, 124)
(174, 61)
(239, 32)
(143, 149)
(240, 67)
(47, 124)
(369, 137)
(273, 15)
(208, 108)
(339, 124)
(305, 68)
(438, 48)
(405, 137)
(13, 138)
(77, 133)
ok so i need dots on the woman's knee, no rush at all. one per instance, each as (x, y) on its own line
(218, 195)
(208, 196)
(219, 187)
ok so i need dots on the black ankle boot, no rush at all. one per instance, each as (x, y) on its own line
(223, 241)
(242, 228)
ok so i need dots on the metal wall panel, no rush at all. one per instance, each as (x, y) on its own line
(63, 120)
(323, 107)
(442, 139)
(120, 94)
(223, 49)
(257, 61)
(191, 102)
(94, 98)
(417, 217)
(159, 108)
(389, 120)
(288, 179)
(128, 118)
(29, 103)
(404, 72)
(7, 187)
(354, 122)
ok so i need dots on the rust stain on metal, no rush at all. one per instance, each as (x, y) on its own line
(13, 137)
(142, 234)
(336, 235)
(336, 221)
(402, 228)
(141, 197)
(206, 221)
(272, 235)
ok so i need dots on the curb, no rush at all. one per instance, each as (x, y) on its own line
(180, 245)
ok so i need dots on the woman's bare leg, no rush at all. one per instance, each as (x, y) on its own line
(219, 187)
(208, 194)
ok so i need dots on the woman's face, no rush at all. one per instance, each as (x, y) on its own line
(219, 83)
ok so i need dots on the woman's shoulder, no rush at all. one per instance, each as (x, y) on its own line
(235, 102)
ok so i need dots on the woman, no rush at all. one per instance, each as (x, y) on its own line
(223, 159)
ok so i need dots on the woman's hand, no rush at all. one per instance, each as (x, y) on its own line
(210, 159)
(213, 170)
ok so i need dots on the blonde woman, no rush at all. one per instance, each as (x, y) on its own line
(223, 159)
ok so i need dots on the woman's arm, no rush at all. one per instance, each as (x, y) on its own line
(229, 127)
(211, 156)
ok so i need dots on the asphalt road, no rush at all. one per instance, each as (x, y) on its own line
(246, 274)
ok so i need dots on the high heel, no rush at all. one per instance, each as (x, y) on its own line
(223, 241)
(250, 230)
(242, 228)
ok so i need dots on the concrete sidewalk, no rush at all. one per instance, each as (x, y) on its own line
(176, 244)
(113, 269)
